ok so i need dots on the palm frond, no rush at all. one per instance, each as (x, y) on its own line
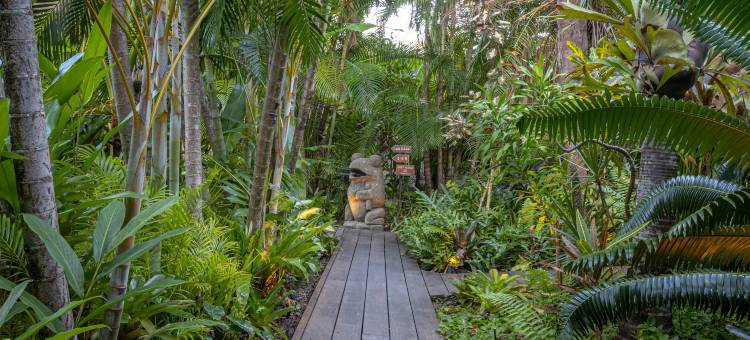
(686, 126)
(678, 196)
(718, 23)
(12, 253)
(724, 293)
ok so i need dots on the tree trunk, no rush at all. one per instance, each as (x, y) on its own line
(212, 117)
(175, 117)
(159, 129)
(440, 168)
(264, 140)
(282, 132)
(120, 86)
(28, 137)
(575, 31)
(427, 171)
(193, 92)
(135, 179)
(451, 171)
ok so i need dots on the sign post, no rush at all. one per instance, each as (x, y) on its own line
(403, 169)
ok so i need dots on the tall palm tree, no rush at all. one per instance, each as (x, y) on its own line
(295, 28)
(192, 96)
(122, 84)
(28, 135)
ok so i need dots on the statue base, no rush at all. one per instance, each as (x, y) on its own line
(363, 226)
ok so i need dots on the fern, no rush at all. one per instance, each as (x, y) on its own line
(12, 254)
(520, 315)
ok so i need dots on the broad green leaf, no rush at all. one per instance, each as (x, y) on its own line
(108, 224)
(185, 326)
(40, 309)
(571, 11)
(59, 250)
(4, 121)
(8, 191)
(156, 282)
(11, 300)
(75, 331)
(144, 217)
(137, 251)
(360, 27)
(69, 81)
(214, 311)
(97, 45)
(47, 67)
(35, 328)
(667, 47)
(651, 17)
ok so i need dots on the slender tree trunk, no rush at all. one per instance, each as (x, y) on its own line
(212, 117)
(282, 132)
(28, 137)
(120, 86)
(342, 95)
(451, 172)
(457, 162)
(193, 92)
(427, 171)
(264, 140)
(135, 180)
(440, 168)
(175, 117)
(159, 129)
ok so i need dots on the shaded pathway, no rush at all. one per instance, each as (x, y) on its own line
(370, 291)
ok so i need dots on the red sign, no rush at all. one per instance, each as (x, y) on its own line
(401, 149)
(401, 158)
(404, 170)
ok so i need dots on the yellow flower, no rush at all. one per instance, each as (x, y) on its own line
(307, 213)
(542, 220)
(453, 262)
(504, 277)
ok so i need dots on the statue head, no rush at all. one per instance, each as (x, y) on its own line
(365, 168)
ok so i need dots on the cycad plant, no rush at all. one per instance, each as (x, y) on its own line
(701, 260)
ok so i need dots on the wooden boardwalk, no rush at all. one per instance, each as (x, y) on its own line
(370, 291)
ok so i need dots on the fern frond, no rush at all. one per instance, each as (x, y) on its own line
(686, 126)
(725, 293)
(678, 196)
(520, 315)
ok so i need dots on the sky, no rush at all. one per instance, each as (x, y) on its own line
(397, 27)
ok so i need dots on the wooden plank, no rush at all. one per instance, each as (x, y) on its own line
(325, 312)
(435, 284)
(401, 319)
(419, 297)
(352, 309)
(305, 318)
(375, 323)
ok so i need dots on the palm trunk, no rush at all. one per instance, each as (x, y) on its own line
(159, 128)
(342, 95)
(193, 92)
(264, 141)
(212, 118)
(175, 117)
(135, 180)
(440, 168)
(28, 136)
(120, 86)
(451, 172)
(282, 132)
(303, 114)
(427, 171)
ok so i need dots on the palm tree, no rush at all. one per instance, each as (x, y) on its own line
(294, 28)
(122, 84)
(28, 134)
(192, 97)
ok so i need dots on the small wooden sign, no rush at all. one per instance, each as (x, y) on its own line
(401, 149)
(401, 158)
(404, 170)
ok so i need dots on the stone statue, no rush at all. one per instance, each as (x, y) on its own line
(366, 193)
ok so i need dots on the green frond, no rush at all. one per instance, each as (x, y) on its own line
(723, 215)
(12, 253)
(678, 196)
(726, 253)
(719, 23)
(725, 293)
(520, 315)
(686, 126)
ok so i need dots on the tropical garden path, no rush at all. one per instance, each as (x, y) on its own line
(371, 290)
